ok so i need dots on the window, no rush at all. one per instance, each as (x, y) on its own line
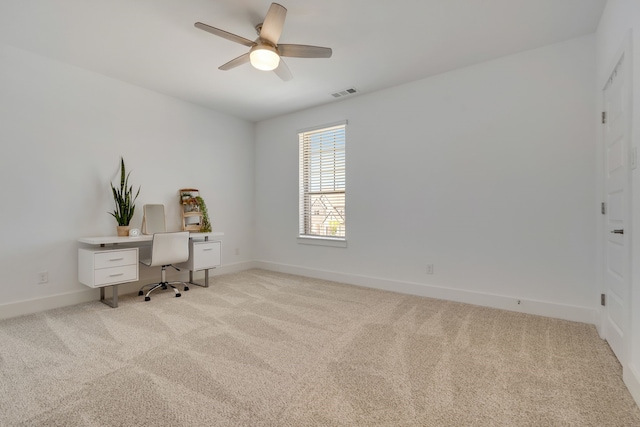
(322, 182)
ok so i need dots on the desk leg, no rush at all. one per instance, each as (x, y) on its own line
(206, 279)
(114, 299)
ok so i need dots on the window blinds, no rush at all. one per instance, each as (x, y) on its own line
(322, 182)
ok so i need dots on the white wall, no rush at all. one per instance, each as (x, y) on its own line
(487, 172)
(63, 130)
(620, 27)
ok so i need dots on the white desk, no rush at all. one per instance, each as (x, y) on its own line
(114, 240)
(113, 266)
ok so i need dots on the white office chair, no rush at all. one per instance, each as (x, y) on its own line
(166, 249)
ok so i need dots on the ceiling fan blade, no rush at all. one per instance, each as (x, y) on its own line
(224, 34)
(304, 51)
(273, 23)
(283, 71)
(235, 62)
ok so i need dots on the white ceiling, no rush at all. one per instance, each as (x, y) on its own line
(376, 44)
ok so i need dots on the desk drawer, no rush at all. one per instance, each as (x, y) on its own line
(204, 255)
(117, 258)
(109, 276)
(100, 267)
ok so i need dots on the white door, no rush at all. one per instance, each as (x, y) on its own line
(616, 187)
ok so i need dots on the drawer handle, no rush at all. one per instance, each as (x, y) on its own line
(116, 259)
(117, 274)
(207, 249)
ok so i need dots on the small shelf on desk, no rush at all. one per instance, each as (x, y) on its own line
(192, 216)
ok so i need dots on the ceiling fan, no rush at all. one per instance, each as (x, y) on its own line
(265, 52)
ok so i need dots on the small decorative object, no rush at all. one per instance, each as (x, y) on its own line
(124, 200)
(134, 232)
(194, 211)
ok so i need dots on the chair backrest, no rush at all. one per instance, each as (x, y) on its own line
(153, 219)
(169, 248)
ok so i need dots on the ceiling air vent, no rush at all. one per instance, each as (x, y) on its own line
(345, 92)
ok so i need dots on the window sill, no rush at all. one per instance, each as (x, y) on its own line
(322, 241)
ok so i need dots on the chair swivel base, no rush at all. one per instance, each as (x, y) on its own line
(161, 285)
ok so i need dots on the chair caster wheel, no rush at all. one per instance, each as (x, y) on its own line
(186, 288)
(140, 293)
(178, 295)
(147, 298)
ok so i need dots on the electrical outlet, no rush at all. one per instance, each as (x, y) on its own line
(43, 277)
(429, 268)
(237, 251)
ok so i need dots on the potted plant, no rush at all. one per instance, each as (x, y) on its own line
(124, 200)
(205, 227)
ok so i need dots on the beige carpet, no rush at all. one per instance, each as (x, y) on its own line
(266, 349)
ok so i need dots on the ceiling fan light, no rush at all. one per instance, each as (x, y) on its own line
(264, 57)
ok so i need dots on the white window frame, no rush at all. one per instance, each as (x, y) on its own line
(312, 167)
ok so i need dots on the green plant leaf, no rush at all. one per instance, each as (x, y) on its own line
(122, 197)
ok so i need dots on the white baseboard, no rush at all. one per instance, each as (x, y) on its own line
(48, 303)
(85, 295)
(540, 308)
(631, 377)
